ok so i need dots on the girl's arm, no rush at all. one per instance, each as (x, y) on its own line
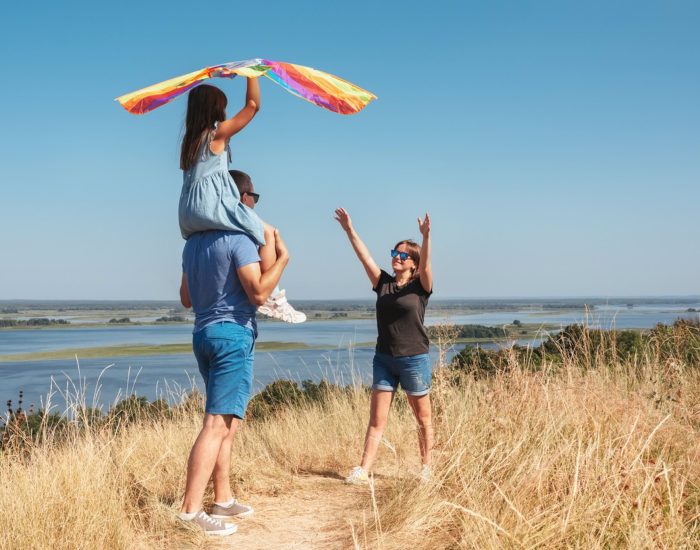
(372, 269)
(232, 126)
(425, 270)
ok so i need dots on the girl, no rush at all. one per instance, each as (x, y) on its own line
(209, 199)
(401, 355)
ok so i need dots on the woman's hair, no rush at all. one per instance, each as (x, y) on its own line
(206, 105)
(413, 249)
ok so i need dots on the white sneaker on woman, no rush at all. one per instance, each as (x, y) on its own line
(278, 307)
(425, 474)
(358, 476)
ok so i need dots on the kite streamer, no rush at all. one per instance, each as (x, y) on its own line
(317, 87)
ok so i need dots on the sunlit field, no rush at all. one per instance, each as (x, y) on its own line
(584, 447)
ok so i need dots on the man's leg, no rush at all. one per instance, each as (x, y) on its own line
(222, 481)
(203, 457)
(225, 505)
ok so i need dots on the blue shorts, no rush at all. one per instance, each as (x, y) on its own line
(225, 352)
(414, 372)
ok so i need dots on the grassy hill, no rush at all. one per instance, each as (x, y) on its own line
(584, 448)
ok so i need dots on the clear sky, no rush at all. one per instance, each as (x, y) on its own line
(555, 144)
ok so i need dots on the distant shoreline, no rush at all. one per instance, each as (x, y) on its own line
(138, 350)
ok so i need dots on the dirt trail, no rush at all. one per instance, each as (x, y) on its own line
(317, 514)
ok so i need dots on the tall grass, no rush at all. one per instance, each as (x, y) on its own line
(567, 453)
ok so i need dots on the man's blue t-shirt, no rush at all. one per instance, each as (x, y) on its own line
(209, 261)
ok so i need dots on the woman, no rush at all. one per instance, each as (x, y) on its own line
(401, 355)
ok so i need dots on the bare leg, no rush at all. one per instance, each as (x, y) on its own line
(203, 457)
(222, 482)
(422, 411)
(268, 256)
(276, 305)
(378, 415)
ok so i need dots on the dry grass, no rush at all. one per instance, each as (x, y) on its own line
(581, 459)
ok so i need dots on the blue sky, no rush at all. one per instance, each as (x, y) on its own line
(555, 144)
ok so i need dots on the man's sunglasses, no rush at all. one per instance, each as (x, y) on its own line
(403, 256)
(256, 196)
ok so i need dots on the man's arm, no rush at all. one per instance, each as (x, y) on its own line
(257, 285)
(185, 299)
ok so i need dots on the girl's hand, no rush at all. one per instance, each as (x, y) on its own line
(343, 218)
(424, 226)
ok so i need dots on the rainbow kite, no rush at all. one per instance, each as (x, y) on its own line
(322, 89)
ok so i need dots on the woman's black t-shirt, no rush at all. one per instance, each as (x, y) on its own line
(400, 314)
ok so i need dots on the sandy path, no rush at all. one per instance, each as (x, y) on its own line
(317, 514)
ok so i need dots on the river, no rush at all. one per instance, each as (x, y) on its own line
(346, 355)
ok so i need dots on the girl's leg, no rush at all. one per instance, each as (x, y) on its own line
(268, 256)
(378, 415)
(276, 305)
(422, 411)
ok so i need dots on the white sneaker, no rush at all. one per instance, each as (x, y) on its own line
(425, 474)
(358, 476)
(233, 510)
(278, 307)
(210, 526)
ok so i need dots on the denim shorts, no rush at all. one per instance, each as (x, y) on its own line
(225, 352)
(414, 372)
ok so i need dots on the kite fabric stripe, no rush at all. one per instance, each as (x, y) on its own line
(317, 87)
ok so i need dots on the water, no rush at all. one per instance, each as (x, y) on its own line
(160, 375)
(605, 317)
(341, 361)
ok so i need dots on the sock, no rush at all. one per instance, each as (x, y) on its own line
(187, 517)
(226, 504)
(275, 291)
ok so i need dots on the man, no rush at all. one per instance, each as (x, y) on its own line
(276, 305)
(223, 283)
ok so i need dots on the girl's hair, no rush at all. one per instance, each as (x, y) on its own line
(413, 249)
(206, 105)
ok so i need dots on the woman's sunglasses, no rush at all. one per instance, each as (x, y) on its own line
(403, 256)
(256, 196)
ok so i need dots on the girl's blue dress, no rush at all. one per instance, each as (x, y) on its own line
(210, 199)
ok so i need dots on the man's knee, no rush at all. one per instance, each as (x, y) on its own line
(218, 425)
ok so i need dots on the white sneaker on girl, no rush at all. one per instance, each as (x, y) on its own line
(278, 307)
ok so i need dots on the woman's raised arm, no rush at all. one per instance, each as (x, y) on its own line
(425, 270)
(371, 267)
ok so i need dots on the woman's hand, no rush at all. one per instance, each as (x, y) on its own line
(371, 268)
(425, 271)
(424, 226)
(343, 218)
